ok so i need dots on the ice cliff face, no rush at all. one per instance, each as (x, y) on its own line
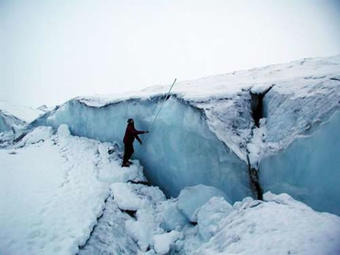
(207, 129)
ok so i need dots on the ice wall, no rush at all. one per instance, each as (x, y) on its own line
(210, 126)
(309, 169)
(180, 151)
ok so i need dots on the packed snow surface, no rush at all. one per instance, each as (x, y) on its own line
(53, 189)
(63, 194)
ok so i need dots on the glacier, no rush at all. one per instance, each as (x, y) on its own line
(220, 171)
(221, 130)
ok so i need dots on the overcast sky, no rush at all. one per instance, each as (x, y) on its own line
(51, 51)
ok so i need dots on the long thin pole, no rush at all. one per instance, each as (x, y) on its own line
(160, 108)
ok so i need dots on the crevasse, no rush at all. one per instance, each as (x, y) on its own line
(180, 150)
(206, 130)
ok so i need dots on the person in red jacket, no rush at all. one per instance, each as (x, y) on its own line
(130, 134)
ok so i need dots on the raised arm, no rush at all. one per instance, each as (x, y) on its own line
(137, 132)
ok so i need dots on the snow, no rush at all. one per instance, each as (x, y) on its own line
(192, 198)
(280, 225)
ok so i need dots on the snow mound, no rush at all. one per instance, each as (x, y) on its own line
(281, 225)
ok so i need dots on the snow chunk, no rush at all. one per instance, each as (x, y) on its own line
(192, 198)
(162, 242)
(171, 217)
(210, 215)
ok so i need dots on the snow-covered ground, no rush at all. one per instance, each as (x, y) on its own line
(62, 194)
(53, 188)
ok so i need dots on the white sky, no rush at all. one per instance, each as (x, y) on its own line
(51, 51)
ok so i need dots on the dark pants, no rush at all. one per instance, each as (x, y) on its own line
(128, 151)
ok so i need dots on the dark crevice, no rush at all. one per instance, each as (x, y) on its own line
(256, 105)
(132, 213)
(254, 181)
(146, 183)
(20, 137)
